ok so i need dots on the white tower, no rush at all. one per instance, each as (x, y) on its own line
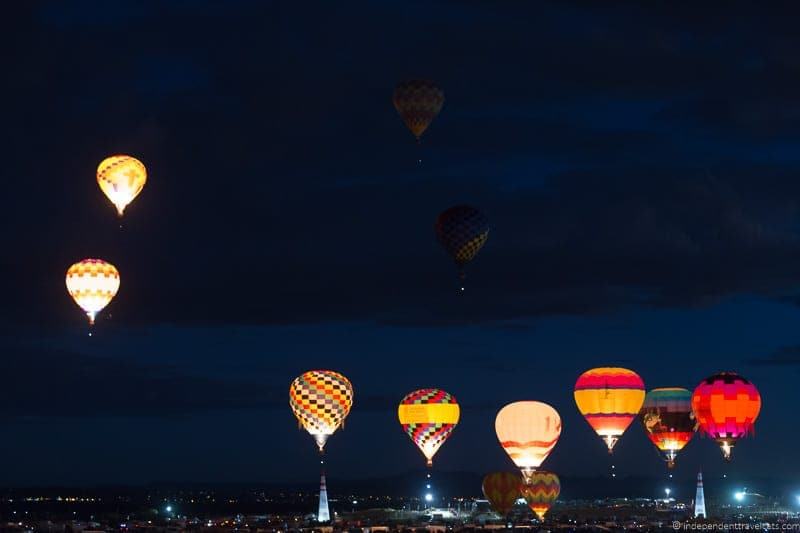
(700, 499)
(324, 514)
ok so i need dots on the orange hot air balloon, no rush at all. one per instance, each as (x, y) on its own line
(502, 491)
(428, 416)
(541, 492)
(321, 400)
(418, 102)
(528, 431)
(121, 178)
(726, 406)
(609, 399)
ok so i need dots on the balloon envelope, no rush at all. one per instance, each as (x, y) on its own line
(502, 491)
(609, 398)
(668, 420)
(121, 178)
(541, 492)
(462, 231)
(428, 417)
(321, 400)
(92, 283)
(527, 431)
(726, 406)
(418, 102)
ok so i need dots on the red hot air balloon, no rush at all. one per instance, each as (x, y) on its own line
(726, 406)
(502, 491)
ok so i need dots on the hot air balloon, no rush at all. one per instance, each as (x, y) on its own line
(121, 178)
(502, 491)
(609, 399)
(668, 419)
(418, 102)
(462, 231)
(428, 416)
(541, 492)
(726, 406)
(528, 431)
(321, 400)
(92, 283)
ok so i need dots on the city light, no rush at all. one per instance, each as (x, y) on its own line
(739, 496)
(428, 497)
(798, 499)
(667, 491)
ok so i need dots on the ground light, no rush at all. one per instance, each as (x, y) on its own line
(739, 496)
(428, 497)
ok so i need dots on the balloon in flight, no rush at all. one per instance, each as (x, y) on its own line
(462, 231)
(541, 492)
(609, 399)
(418, 102)
(528, 431)
(428, 416)
(321, 400)
(668, 420)
(121, 178)
(502, 491)
(726, 406)
(92, 283)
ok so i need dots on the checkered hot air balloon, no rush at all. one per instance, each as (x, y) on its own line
(541, 492)
(321, 400)
(609, 399)
(528, 431)
(92, 283)
(726, 406)
(462, 231)
(121, 178)
(428, 417)
(668, 420)
(502, 491)
(418, 102)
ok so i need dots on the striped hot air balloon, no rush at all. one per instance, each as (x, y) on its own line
(668, 420)
(609, 399)
(321, 400)
(418, 102)
(92, 283)
(528, 431)
(541, 492)
(502, 491)
(428, 417)
(726, 406)
(121, 178)
(462, 231)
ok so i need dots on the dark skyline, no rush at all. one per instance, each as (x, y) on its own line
(638, 165)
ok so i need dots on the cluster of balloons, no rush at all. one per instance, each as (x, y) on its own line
(723, 406)
(93, 283)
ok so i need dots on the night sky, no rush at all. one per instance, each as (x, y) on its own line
(640, 168)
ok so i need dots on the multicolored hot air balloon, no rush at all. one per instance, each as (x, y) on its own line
(121, 178)
(418, 102)
(609, 399)
(92, 283)
(428, 416)
(726, 406)
(528, 431)
(321, 400)
(502, 491)
(668, 419)
(462, 231)
(541, 492)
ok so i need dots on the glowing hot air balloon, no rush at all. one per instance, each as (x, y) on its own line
(726, 406)
(321, 400)
(428, 416)
(502, 491)
(541, 492)
(418, 102)
(92, 283)
(609, 399)
(528, 432)
(668, 419)
(121, 178)
(462, 231)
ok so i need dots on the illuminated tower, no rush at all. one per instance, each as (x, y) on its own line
(700, 499)
(324, 514)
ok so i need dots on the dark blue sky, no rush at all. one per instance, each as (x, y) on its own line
(639, 167)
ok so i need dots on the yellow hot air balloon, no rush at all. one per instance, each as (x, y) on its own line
(528, 431)
(321, 400)
(541, 492)
(92, 283)
(121, 178)
(428, 417)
